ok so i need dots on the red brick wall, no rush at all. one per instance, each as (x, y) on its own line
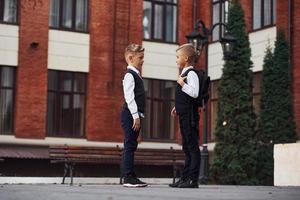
(247, 7)
(205, 10)
(100, 108)
(185, 20)
(282, 15)
(113, 25)
(296, 62)
(31, 92)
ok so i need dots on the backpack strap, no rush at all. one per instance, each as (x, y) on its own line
(187, 71)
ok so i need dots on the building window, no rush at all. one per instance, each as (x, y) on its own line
(69, 15)
(8, 11)
(220, 14)
(7, 89)
(66, 104)
(160, 99)
(257, 79)
(264, 13)
(160, 20)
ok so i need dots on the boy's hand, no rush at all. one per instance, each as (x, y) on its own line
(136, 124)
(173, 112)
(180, 80)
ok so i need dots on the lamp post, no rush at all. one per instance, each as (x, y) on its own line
(200, 39)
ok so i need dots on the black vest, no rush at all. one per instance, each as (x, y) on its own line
(183, 102)
(139, 91)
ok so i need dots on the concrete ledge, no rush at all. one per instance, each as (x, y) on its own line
(287, 164)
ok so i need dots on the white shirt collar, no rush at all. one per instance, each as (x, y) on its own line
(185, 69)
(133, 69)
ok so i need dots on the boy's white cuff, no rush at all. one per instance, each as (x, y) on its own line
(184, 87)
(135, 116)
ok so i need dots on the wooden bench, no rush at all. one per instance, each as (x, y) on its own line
(72, 155)
(160, 157)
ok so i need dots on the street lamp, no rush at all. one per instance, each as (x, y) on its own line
(200, 39)
(228, 43)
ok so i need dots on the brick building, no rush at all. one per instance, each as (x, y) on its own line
(61, 66)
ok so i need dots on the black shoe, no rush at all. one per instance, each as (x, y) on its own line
(181, 180)
(132, 181)
(189, 184)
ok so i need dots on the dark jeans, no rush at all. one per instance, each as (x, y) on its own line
(130, 143)
(189, 128)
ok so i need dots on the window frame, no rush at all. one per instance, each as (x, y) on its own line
(221, 16)
(2, 13)
(13, 97)
(164, 3)
(152, 100)
(60, 94)
(60, 18)
(256, 91)
(262, 16)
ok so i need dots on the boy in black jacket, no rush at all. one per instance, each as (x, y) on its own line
(186, 108)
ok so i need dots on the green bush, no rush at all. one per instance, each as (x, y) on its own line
(277, 123)
(235, 153)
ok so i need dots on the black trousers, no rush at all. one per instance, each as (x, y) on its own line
(130, 143)
(189, 128)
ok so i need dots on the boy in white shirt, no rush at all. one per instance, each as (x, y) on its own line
(133, 110)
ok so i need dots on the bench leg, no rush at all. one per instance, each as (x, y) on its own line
(71, 173)
(174, 173)
(66, 170)
(121, 173)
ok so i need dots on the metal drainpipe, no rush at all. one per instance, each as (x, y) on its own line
(289, 21)
(195, 10)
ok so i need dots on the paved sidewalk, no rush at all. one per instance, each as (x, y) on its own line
(153, 192)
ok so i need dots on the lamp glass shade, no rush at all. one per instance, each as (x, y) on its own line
(228, 43)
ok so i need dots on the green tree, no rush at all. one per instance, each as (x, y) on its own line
(277, 123)
(234, 159)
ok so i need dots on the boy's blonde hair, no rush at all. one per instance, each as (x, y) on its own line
(189, 51)
(134, 48)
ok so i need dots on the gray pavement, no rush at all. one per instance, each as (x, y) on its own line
(153, 192)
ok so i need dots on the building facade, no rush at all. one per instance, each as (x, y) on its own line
(62, 64)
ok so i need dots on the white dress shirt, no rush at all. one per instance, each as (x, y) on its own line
(128, 89)
(191, 88)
